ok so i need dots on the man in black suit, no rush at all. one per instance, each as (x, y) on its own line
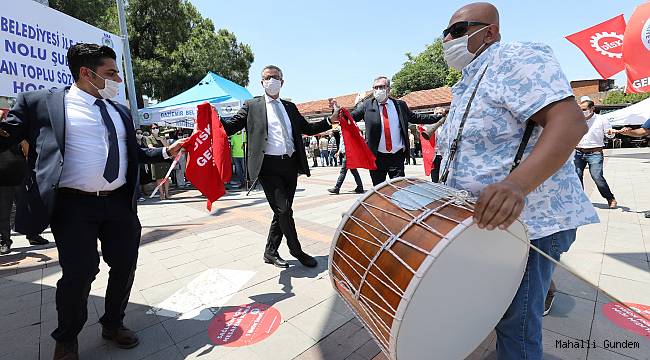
(276, 157)
(82, 174)
(387, 120)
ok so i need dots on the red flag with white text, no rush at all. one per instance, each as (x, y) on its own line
(602, 44)
(206, 167)
(428, 150)
(357, 153)
(636, 50)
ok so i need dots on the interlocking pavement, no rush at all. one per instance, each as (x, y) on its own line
(201, 282)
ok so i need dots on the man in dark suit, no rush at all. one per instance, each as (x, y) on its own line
(82, 174)
(387, 120)
(276, 157)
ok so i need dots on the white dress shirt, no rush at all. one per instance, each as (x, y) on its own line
(86, 144)
(275, 145)
(594, 138)
(395, 131)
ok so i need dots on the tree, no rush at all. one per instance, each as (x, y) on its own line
(172, 45)
(620, 97)
(99, 13)
(426, 70)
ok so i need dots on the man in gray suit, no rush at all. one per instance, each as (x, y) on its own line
(276, 157)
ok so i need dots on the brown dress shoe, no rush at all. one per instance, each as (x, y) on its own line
(122, 337)
(66, 351)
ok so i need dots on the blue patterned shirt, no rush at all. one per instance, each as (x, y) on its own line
(521, 79)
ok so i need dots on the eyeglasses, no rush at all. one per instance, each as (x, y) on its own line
(380, 87)
(276, 77)
(460, 28)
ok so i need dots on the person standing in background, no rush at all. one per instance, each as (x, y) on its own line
(237, 151)
(324, 154)
(332, 149)
(313, 147)
(159, 169)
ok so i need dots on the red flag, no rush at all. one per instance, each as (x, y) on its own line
(357, 153)
(602, 44)
(428, 150)
(636, 51)
(205, 155)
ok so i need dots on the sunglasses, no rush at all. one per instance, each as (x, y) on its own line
(276, 77)
(460, 28)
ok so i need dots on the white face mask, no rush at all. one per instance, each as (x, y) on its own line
(380, 94)
(138, 136)
(110, 90)
(586, 113)
(456, 54)
(272, 86)
(155, 131)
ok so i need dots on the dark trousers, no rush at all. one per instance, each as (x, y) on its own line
(279, 178)
(435, 172)
(343, 173)
(239, 165)
(77, 223)
(388, 164)
(7, 197)
(595, 161)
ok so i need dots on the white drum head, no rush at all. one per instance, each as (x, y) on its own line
(462, 295)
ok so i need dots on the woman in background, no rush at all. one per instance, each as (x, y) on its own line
(159, 170)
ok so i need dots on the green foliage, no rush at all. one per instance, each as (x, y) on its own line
(172, 45)
(620, 97)
(426, 70)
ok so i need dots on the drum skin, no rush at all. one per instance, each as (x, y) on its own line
(401, 259)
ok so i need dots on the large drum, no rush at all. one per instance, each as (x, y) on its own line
(422, 277)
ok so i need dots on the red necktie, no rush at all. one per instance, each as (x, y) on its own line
(384, 113)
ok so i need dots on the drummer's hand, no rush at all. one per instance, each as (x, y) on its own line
(499, 205)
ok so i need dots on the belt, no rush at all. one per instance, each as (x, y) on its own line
(88, 193)
(590, 150)
(281, 157)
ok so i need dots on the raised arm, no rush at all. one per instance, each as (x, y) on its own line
(237, 122)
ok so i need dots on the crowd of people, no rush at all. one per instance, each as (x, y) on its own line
(92, 194)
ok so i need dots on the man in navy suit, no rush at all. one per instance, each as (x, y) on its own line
(387, 121)
(82, 174)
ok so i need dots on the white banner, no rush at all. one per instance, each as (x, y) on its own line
(34, 40)
(183, 116)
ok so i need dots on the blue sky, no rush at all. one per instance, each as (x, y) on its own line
(335, 47)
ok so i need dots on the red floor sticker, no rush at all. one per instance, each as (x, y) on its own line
(628, 319)
(244, 325)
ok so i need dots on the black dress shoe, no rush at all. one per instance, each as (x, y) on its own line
(122, 337)
(333, 190)
(66, 351)
(359, 191)
(306, 260)
(275, 260)
(37, 240)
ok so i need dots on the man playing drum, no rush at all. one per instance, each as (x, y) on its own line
(505, 86)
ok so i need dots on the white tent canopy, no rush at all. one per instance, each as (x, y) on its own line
(635, 114)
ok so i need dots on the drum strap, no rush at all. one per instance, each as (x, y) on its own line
(454, 145)
(530, 125)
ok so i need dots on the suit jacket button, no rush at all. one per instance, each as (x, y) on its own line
(61, 162)
(53, 186)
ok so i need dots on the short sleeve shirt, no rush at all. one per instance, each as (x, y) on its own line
(520, 79)
(646, 124)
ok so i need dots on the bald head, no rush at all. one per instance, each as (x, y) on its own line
(478, 11)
